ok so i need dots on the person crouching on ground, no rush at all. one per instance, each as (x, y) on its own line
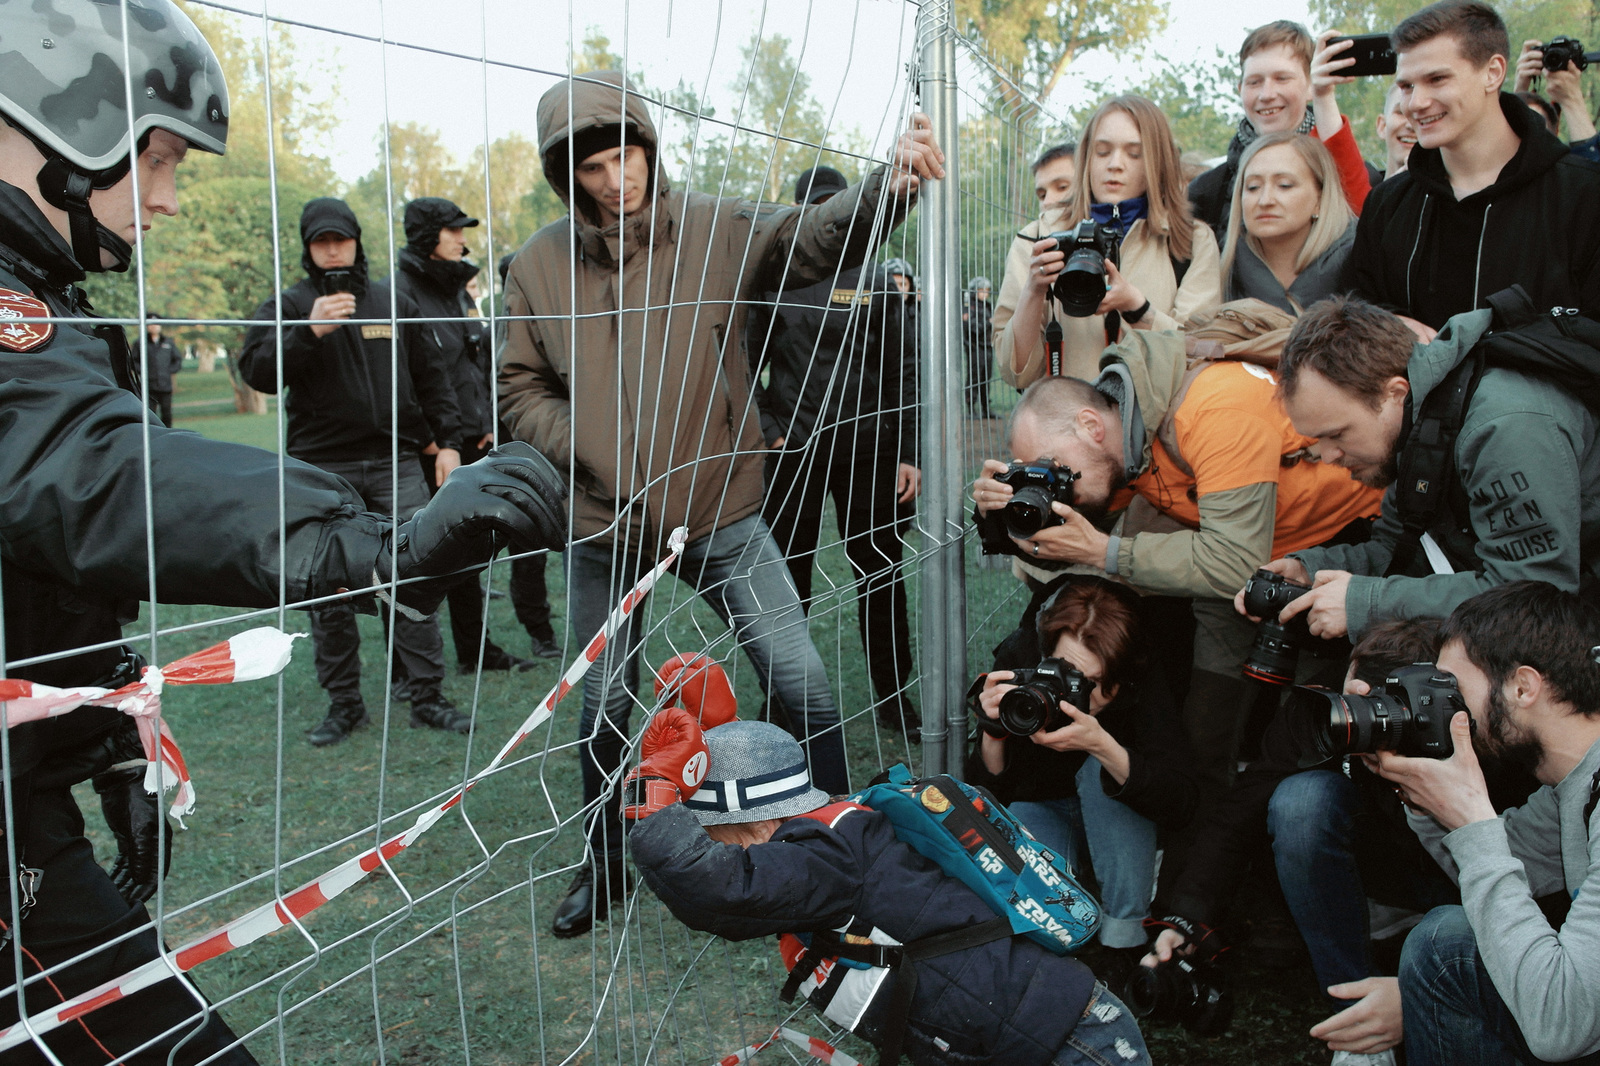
(758, 851)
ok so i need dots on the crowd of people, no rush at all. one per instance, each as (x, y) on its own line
(1289, 427)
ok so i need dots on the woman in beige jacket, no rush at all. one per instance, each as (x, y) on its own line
(1131, 181)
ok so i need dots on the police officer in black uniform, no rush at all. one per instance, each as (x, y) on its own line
(161, 360)
(74, 555)
(433, 272)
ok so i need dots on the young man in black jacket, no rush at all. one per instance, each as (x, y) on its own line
(433, 272)
(1489, 198)
(343, 419)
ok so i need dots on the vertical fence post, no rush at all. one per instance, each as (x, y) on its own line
(943, 580)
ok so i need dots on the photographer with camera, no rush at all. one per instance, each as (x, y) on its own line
(341, 381)
(1054, 174)
(1560, 63)
(1212, 452)
(1492, 980)
(1089, 758)
(1507, 464)
(1338, 837)
(1127, 252)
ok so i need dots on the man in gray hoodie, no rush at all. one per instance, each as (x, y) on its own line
(1492, 980)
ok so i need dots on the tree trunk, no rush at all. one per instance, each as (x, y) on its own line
(205, 357)
(246, 401)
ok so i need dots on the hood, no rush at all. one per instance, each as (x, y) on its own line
(1432, 361)
(323, 215)
(587, 102)
(450, 276)
(25, 230)
(1540, 151)
(1152, 364)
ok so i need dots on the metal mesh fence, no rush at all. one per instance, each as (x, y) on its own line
(440, 948)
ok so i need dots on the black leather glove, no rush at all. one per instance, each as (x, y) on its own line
(134, 817)
(511, 497)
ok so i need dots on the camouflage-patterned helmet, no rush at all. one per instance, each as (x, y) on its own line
(61, 77)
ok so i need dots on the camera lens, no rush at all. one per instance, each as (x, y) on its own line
(1178, 991)
(1081, 285)
(1029, 511)
(1328, 724)
(1274, 655)
(1142, 993)
(1024, 710)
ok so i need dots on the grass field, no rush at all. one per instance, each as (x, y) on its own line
(448, 949)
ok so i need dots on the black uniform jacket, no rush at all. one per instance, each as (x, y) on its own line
(435, 286)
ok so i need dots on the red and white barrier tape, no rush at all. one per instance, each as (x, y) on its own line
(274, 915)
(253, 654)
(817, 1049)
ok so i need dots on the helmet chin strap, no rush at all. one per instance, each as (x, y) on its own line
(68, 188)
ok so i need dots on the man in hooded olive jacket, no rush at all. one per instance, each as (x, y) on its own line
(631, 373)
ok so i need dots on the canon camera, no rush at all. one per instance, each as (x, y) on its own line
(1276, 651)
(1181, 990)
(1563, 50)
(1034, 488)
(1408, 715)
(1035, 704)
(1082, 284)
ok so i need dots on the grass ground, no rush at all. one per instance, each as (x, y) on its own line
(445, 954)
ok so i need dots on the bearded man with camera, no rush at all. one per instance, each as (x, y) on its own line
(1212, 476)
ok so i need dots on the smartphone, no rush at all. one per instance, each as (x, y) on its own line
(339, 280)
(1372, 52)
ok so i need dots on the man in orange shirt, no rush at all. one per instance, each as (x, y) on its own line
(1234, 481)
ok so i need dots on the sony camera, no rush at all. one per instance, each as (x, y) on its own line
(1276, 651)
(1408, 715)
(1035, 703)
(1192, 993)
(1081, 285)
(1034, 487)
(1563, 50)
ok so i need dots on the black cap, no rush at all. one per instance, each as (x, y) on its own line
(817, 184)
(327, 214)
(427, 215)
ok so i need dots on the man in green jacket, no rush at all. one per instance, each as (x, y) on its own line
(1527, 506)
(624, 358)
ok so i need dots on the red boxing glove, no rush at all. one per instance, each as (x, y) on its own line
(700, 685)
(673, 762)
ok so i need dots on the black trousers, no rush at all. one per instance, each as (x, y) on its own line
(466, 595)
(77, 909)
(530, 597)
(857, 468)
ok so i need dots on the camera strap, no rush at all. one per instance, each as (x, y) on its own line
(1052, 345)
(1594, 798)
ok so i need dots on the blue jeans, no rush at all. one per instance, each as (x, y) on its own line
(1453, 1015)
(1318, 827)
(1106, 1035)
(741, 574)
(1095, 832)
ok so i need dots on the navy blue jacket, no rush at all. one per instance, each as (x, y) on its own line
(1008, 1002)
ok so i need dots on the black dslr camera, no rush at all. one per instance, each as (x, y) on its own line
(1276, 651)
(1181, 990)
(1408, 715)
(1035, 703)
(1563, 50)
(1034, 487)
(1081, 285)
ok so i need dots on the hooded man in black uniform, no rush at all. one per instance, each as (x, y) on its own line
(338, 379)
(75, 559)
(433, 272)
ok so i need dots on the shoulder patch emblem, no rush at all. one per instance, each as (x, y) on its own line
(17, 334)
(1258, 371)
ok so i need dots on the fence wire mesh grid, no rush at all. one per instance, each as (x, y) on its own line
(444, 952)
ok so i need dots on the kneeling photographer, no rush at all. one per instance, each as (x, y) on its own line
(1089, 760)
(1338, 837)
(1201, 444)
(1492, 980)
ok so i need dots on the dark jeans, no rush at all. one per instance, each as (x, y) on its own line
(79, 908)
(1453, 1014)
(1336, 841)
(738, 571)
(465, 597)
(418, 647)
(858, 469)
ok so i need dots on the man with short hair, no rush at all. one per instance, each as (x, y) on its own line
(1492, 980)
(161, 360)
(1399, 136)
(1490, 198)
(625, 359)
(1054, 173)
(1528, 455)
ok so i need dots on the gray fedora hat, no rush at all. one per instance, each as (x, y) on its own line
(758, 771)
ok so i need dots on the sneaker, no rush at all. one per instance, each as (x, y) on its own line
(545, 648)
(1358, 1058)
(495, 658)
(439, 713)
(344, 717)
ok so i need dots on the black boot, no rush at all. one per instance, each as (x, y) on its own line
(344, 717)
(584, 906)
(439, 713)
(495, 658)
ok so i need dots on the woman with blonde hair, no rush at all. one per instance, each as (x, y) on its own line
(1290, 229)
(1131, 180)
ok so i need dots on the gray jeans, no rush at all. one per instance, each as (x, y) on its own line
(418, 647)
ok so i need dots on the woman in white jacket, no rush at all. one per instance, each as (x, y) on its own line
(1170, 268)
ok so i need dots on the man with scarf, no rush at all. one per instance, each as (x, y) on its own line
(357, 394)
(433, 272)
